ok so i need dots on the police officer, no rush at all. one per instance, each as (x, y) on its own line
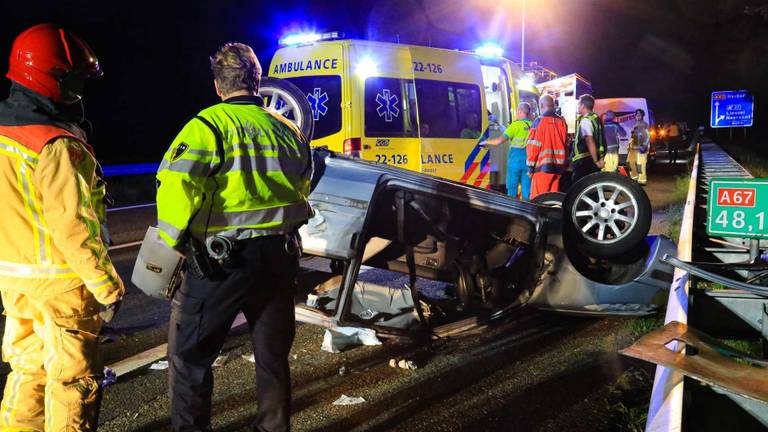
(589, 145)
(517, 135)
(54, 266)
(232, 193)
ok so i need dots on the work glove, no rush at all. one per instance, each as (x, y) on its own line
(109, 311)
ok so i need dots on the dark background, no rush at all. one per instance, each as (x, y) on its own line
(155, 54)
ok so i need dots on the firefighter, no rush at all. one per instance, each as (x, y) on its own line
(639, 143)
(517, 135)
(232, 193)
(613, 134)
(54, 267)
(546, 149)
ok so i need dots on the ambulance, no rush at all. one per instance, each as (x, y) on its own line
(420, 108)
(566, 90)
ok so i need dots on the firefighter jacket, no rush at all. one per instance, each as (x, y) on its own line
(546, 149)
(580, 150)
(255, 181)
(50, 238)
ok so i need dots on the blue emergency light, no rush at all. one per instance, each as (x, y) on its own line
(489, 50)
(293, 39)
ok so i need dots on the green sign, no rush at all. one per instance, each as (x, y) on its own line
(737, 207)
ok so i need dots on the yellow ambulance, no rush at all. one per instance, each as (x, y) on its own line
(420, 108)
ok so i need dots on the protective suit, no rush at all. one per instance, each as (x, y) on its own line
(54, 267)
(637, 157)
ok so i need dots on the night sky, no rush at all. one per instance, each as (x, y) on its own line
(155, 54)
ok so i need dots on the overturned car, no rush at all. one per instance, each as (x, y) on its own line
(396, 250)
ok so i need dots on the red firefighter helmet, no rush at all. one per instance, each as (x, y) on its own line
(43, 56)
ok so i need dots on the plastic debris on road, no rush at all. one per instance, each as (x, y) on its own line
(343, 370)
(348, 400)
(159, 365)
(341, 337)
(403, 364)
(220, 361)
(110, 377)
(249, 357)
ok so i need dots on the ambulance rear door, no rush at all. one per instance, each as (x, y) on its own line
(383, 103)
(317, 70)
(452, 117)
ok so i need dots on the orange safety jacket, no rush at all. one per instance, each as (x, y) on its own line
(50, 238)
(546, 149)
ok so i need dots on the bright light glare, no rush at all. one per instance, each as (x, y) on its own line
(366, 68)
(525, 83)
(489, 50)
(300, 38)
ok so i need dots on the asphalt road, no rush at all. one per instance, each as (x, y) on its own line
(534, 372)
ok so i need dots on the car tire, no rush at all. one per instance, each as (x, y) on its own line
(550, 199)
(600, 225)
(284, 98)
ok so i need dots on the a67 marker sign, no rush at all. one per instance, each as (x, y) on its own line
(737, 207)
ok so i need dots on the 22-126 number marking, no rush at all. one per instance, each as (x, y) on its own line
(427, 67)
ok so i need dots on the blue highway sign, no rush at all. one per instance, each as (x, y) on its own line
(733, 108)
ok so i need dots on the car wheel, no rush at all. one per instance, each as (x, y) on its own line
(550, 199)
(286, 99)
(606, 215)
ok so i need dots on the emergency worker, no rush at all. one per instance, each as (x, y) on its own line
(517, 135)
(589, 142)
(232, 193)
(674, 142)
(472, 127)
(546, 149)
(54, 266)
(613, 134)
(639, 143)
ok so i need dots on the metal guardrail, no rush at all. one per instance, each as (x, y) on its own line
(665, 413)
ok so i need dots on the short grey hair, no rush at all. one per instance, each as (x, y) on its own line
(547, 101)
(524, 107)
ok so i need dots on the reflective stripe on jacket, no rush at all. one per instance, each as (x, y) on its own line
(260, 188)
(580, 150)
(546, 148)
(50, 239)
(517, 133)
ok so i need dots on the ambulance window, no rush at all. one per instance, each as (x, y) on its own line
(449, 110)
(324, 96)
(390, 107)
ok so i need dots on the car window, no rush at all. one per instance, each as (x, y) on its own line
(324, 96)
(390, 107)
(449, 110)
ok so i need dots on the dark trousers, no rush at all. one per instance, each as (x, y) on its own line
(262, 286)
(582, 168)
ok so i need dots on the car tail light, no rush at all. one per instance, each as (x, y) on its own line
(352, 146)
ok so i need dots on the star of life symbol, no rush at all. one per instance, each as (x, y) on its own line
(387, 105)
(317, 101)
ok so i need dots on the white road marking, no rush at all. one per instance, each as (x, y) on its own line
(125, 245)
(138, 206)
(152, 355)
